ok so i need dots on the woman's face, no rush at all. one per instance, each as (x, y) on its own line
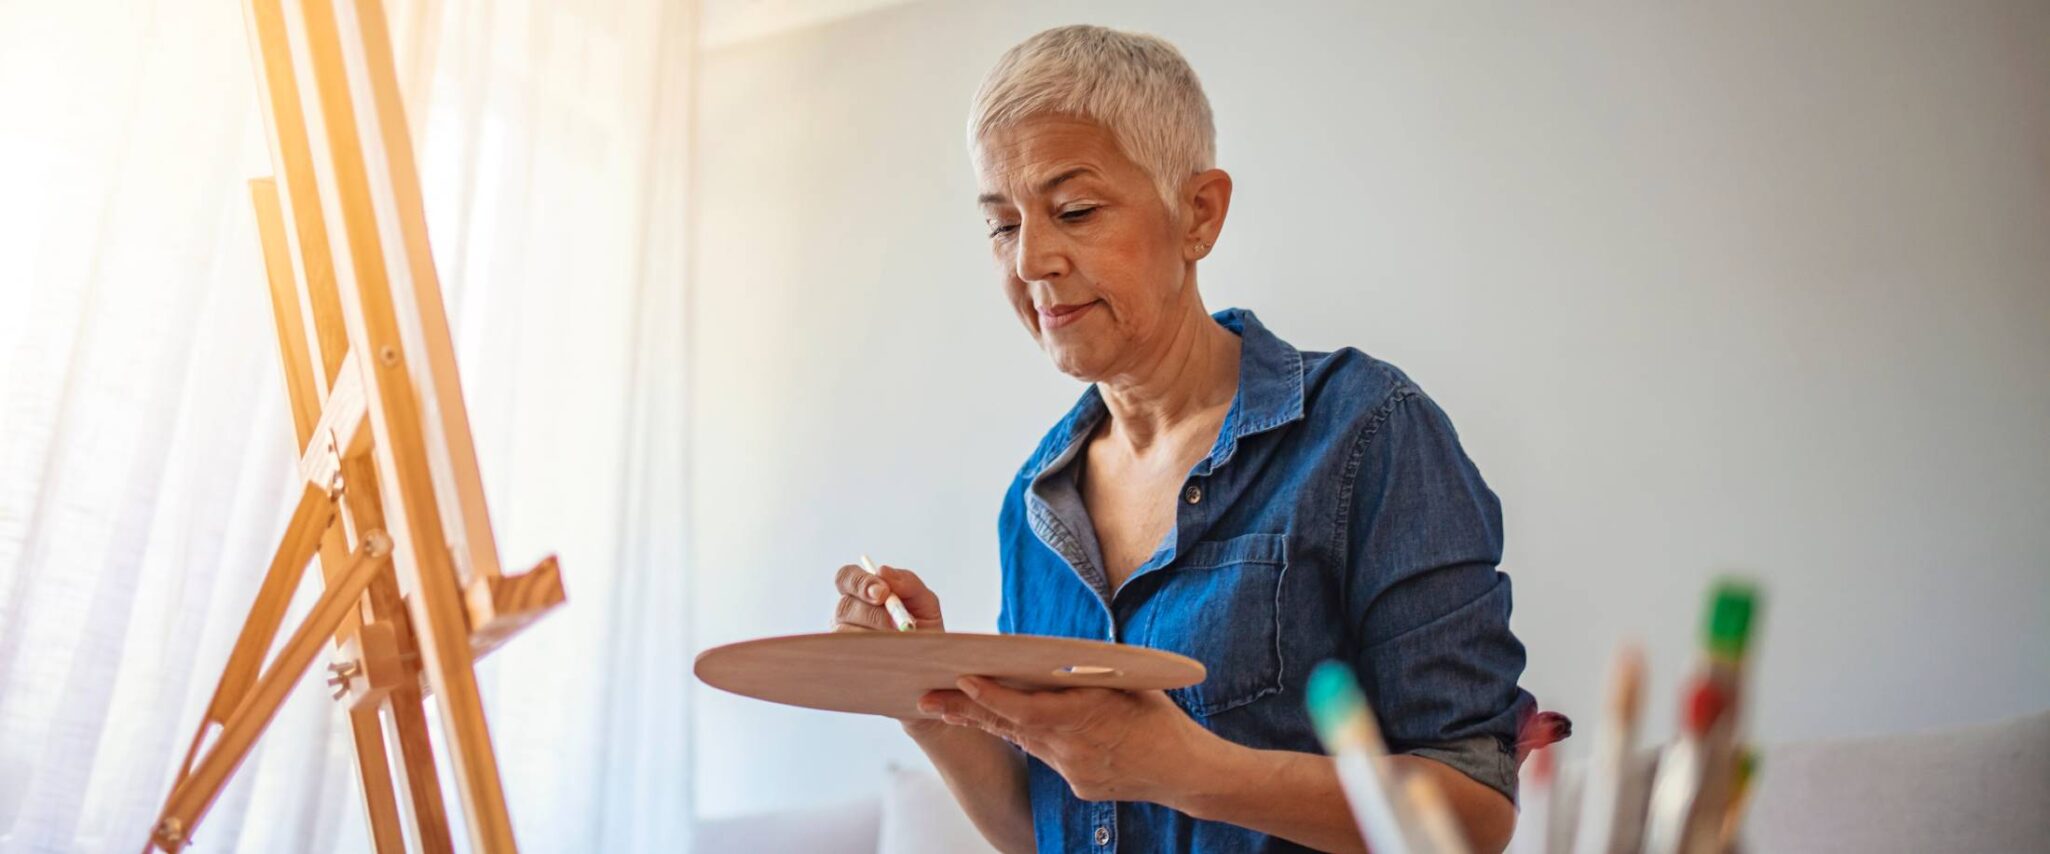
(1091, 258)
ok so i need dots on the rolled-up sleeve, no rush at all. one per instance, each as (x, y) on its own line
(1430, 610)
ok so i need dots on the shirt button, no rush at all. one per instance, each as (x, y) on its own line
(1193, 494)
(1103, 836)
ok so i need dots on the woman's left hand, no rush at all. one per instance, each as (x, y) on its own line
(1108, 744)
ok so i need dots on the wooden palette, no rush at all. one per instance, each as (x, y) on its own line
(884, 673)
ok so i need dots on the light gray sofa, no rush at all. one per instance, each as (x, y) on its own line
(1974, 789)
(837, 829)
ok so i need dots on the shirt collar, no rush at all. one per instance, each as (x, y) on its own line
(1270, 394)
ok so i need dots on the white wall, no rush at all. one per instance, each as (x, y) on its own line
(1764, 288)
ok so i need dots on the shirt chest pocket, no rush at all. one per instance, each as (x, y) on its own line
(1219, 603)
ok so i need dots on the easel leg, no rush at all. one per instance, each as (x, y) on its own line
(374, 769)
(416, 770)
(424, 558)
(408, 722)
(302, 379)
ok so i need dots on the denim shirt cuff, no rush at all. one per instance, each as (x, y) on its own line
(1481, 757)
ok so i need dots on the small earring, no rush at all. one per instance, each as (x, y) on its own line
(1202, 247)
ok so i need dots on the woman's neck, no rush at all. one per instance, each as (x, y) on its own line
(1193, 372)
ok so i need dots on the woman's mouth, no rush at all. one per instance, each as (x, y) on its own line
(1053, 317)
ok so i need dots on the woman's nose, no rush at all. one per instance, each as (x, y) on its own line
(1042, 253)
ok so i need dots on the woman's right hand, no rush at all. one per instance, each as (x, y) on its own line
(861, 609)
(862, 595)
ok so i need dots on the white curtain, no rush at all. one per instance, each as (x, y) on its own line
(145, 450)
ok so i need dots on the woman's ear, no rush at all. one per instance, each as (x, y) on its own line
(1206, 200)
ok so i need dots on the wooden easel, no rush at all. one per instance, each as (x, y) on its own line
(392, 505)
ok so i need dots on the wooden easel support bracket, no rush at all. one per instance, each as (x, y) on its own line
(339, 434)
(369, 665)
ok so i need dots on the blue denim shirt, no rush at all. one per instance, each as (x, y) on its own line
(1335, 517)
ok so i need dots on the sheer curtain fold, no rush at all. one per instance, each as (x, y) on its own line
(145, 450)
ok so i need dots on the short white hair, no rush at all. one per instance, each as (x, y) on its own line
(1137, 86)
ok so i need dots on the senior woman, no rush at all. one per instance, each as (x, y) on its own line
(1215, 492)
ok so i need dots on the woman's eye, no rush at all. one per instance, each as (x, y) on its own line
(1077, 214)
(1000, 229)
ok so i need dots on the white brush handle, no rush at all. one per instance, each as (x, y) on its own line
(898, 613)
